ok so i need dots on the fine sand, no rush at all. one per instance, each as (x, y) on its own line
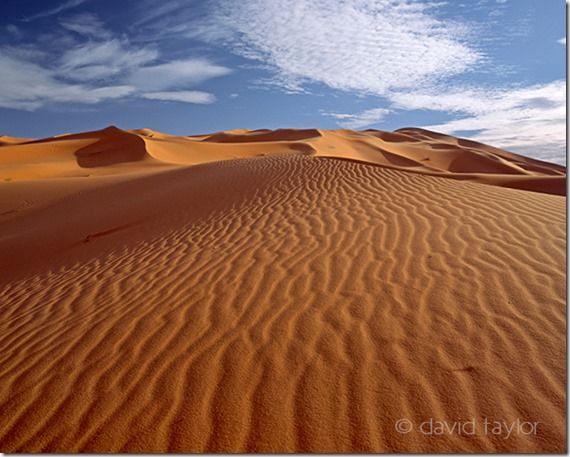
(279, 291)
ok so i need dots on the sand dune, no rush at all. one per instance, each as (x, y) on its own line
(413, 150)
(302, 291)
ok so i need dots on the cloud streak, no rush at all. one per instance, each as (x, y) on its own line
(86, 24)
(97, 60)
(183, 96)
(28, 86)
(58, 9)
(176, 74)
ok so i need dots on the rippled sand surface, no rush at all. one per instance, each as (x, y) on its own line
(279, 291)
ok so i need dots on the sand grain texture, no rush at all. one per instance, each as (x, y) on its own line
(278, 291)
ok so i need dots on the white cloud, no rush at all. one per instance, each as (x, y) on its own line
(58, 9)
(530, 120)
(101, 59)
(99, 68)
(359, 120)
(153, 11)
(562, 41)
(28, 86)
(91, 65)
(186, 96)
(175, 74)
(86, 24)
(24, 52)
(369, 46)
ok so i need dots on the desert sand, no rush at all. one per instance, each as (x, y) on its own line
(279, 291)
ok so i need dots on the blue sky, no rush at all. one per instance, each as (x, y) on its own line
(492, 70)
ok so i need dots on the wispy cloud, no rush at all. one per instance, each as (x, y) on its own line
(176, 74)
(27, 86)
(359, 120)
(153, 11)
(101, 59)
(86, 24)
(185, 96)
(530, 120)
(562, 41)
(96, 65)
(342, 44)
(58, 9)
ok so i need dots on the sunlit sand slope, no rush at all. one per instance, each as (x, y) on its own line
(277, 303)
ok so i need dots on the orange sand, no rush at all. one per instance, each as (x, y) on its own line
(278, 291)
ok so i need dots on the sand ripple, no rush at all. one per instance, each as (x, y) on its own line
(289, 303)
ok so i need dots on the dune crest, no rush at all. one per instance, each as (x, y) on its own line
(6, 140)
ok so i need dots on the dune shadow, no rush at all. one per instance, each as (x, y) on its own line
(392, 137)
(263, 135)
(111, 149)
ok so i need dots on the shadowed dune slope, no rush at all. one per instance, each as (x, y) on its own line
(262, 135)
(114, 151)
(276, 304)
(111, 146)
(102, 152)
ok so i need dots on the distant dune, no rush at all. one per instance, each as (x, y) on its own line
(279, 291)
(410, 149)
